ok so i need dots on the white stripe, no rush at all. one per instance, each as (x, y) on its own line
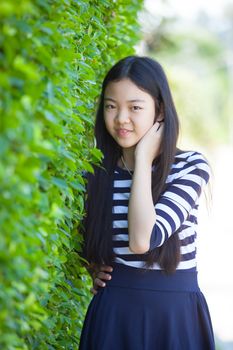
(137, 264)
(194, 212)
(121, 196)
(165, 224)
(183, 265)
(189, 190)
(188, 248)
(123, 251)
(194, 178)
(171, 178)
(185, 171)
(178, 200)
(178, 165)
(120, 224)
(187, 232)
(185, 154)
(122, 183)
(121, 237)
(190, 224)
(203, 166)
(166, 209)
(187, 223)
(162, 231)
(182, 173)
(155, 266)
(196, 156)
(120, 209)
(187, 264)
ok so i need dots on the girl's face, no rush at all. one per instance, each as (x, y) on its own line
(128, 112)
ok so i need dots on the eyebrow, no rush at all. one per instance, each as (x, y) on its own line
(135, 100)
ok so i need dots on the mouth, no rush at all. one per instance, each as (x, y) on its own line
(123, 132)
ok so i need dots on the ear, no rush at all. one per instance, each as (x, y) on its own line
(159, 118)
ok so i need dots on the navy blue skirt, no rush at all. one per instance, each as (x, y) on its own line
(142, 309)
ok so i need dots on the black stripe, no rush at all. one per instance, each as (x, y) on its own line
(168, 202)
(121, 244)
(120, 216)
(188, 240)
(120, 230)
(121, 202)
(188, 256)
(121, 189)
(133, 257)
(182, 193)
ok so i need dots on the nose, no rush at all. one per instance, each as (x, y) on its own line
(122, 117)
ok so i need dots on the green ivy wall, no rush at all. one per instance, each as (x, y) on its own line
(53, 56)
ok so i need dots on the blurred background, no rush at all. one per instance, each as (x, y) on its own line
(194, 43)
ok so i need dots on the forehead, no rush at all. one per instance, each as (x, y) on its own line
(125, 90)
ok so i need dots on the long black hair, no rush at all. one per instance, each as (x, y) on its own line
(149, 76)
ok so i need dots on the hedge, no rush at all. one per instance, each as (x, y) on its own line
(53, 55)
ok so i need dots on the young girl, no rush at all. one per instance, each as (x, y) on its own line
(141, 220)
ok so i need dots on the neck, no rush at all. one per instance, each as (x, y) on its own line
(128, 156)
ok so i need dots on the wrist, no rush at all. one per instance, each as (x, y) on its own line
(141, 161)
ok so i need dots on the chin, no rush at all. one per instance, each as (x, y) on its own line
(126, 144)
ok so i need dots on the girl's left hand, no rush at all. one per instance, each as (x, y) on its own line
(149, 146)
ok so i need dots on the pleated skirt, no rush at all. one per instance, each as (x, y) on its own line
(142, 309)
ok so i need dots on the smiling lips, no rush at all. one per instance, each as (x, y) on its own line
(123, 132)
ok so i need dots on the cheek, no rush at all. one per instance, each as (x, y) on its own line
(108, 123)
(146, 125)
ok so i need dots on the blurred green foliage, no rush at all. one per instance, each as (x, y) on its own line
(53, 56)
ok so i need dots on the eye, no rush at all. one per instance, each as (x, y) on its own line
(107, 106)
(137, 108)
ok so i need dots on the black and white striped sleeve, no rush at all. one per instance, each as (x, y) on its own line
(180, 197)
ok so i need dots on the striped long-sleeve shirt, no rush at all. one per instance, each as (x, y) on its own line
(176, 210)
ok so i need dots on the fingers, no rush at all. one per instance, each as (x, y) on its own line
(97, 283)
(100, 276)
(104, 276)
(106, 268)
(93, 291)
